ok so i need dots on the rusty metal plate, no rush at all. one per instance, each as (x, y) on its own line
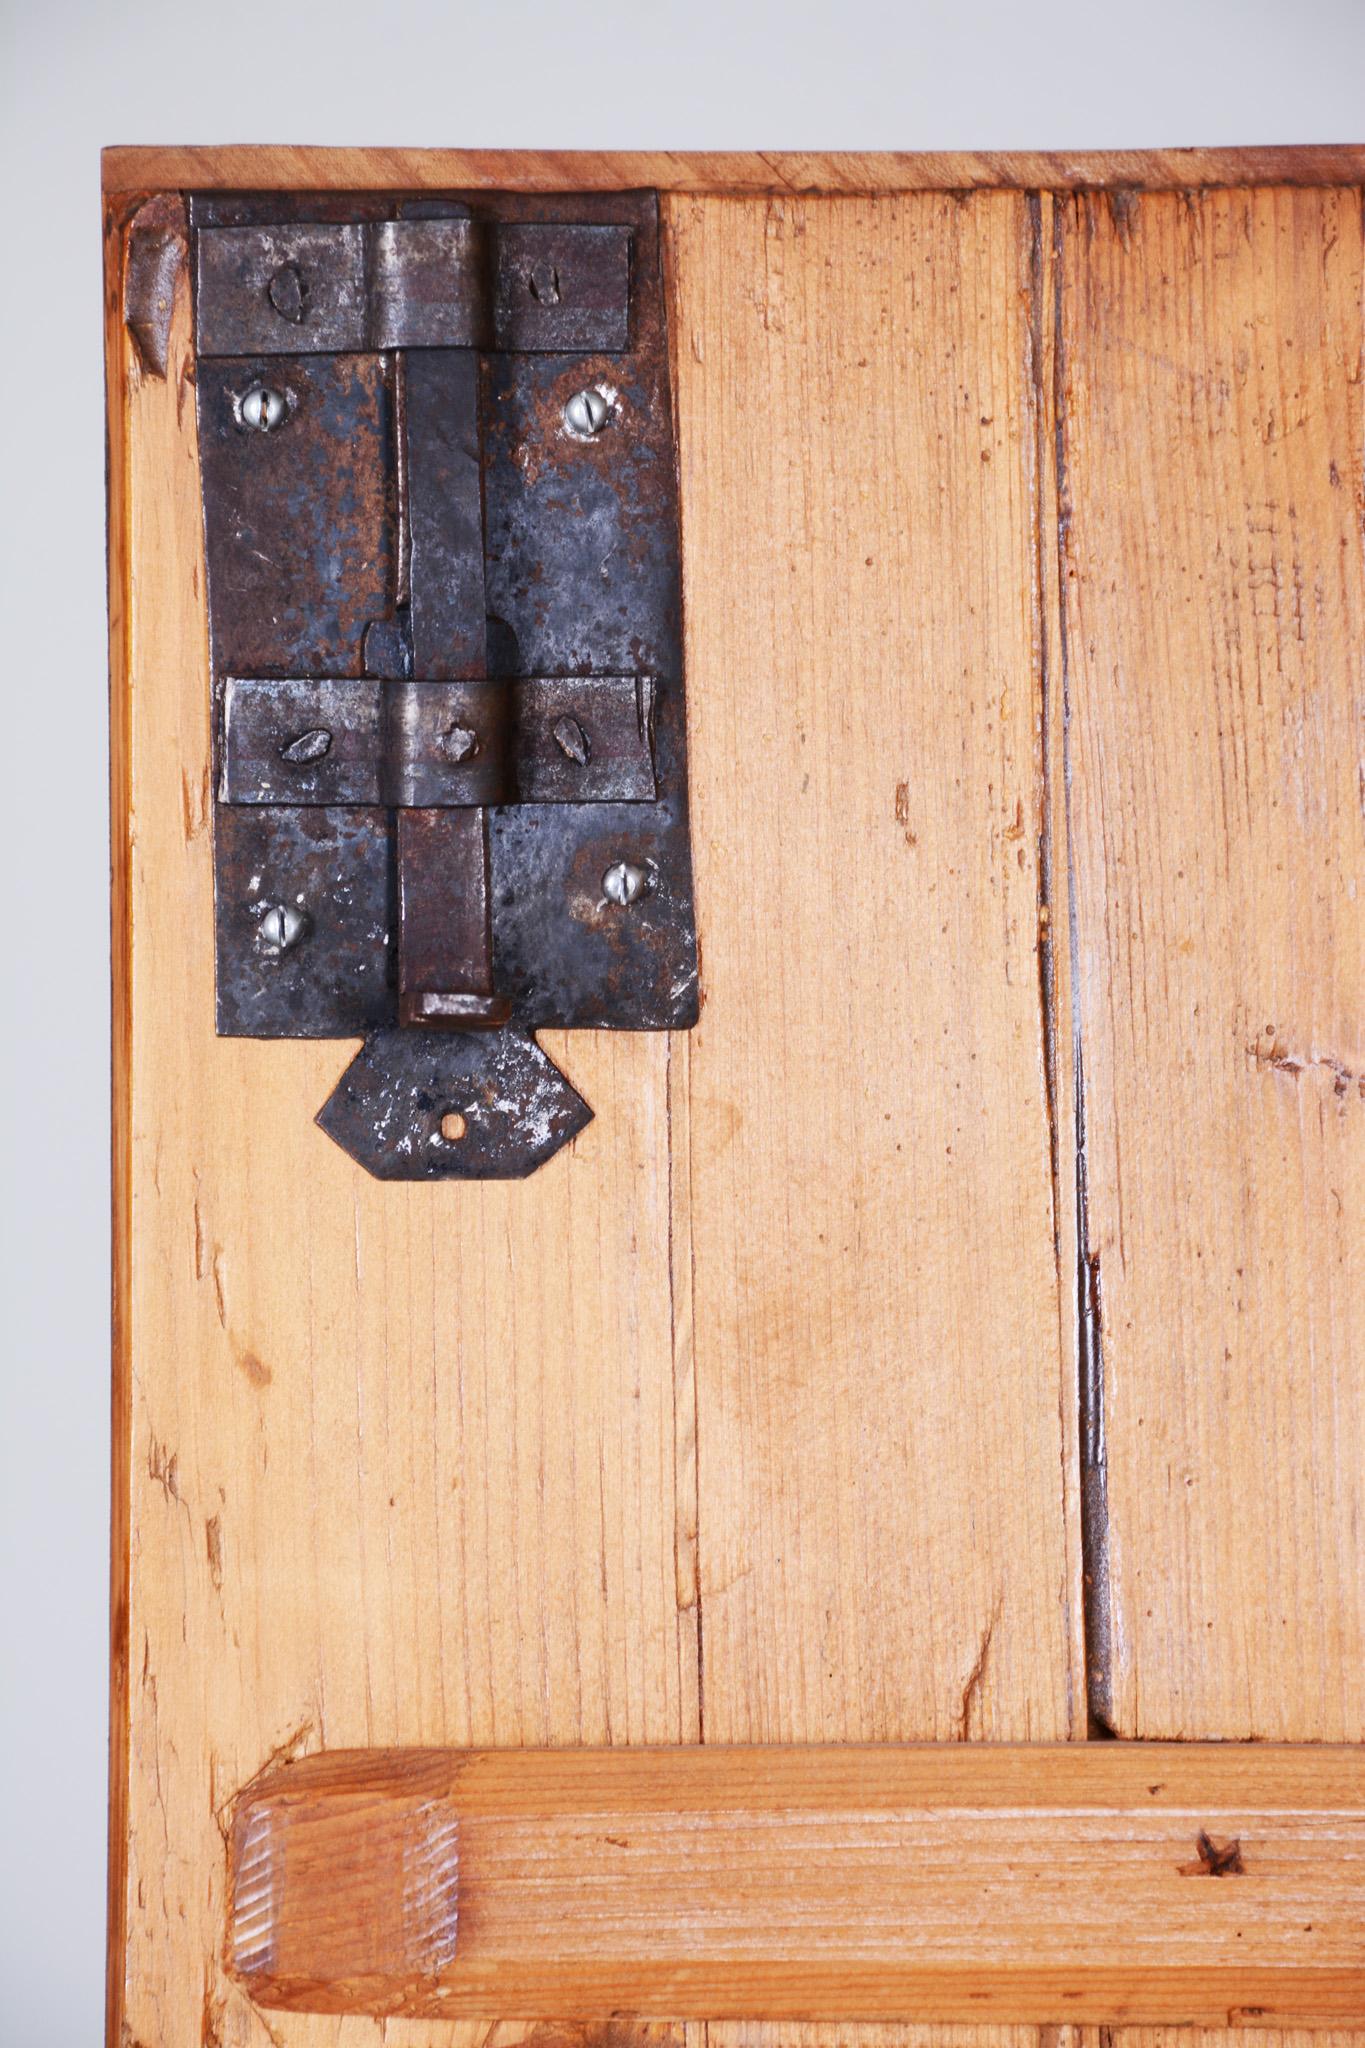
(540, 740)
(327, 288)
(561, 287)
(305, 921)
(583, 575)
(442, 466)
(443, 576)
(515, 1106)
(299, 521)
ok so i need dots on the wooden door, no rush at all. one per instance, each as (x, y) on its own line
(958, 1336)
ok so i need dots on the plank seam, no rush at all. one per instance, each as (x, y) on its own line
(1096, 1595)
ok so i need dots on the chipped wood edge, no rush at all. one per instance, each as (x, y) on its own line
(282, 168)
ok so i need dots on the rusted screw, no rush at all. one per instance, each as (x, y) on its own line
(459, 744)
(544, 283)
(280, 928)
(309, 746)
(624, 881)
(571, 740)
(586, 413)
(261, 409)
(288, 293)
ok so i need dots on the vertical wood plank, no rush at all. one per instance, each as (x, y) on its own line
(1215, 621)
(400, 1462)
(882, 1399)
(768, 1367)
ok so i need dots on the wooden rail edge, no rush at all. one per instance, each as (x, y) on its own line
(1144, 1883)
(285, 167)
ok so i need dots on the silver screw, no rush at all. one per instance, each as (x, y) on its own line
(624, 881)
(587, 412)
(262, 409)
(280, 928)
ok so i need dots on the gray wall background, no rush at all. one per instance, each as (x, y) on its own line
(954, 74)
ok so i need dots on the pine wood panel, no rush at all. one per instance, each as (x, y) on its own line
(873, 1284)
(1101, 1880)
(881, 1402)
(1215, 620)
(421, 1465)
(394, 1465)
(272, 167)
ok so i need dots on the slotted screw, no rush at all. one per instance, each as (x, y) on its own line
(262, 410)
(587, 413)
(624, 881)
(281, 927)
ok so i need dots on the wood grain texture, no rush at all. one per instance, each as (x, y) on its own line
(281, 167)
(392, 1465)
(1215, 621)
(881, 1409)
(873, 1284)
(755, 1415)
(1101, 1881)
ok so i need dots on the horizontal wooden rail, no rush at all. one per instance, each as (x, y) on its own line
(1212, 1884)
(273, 167)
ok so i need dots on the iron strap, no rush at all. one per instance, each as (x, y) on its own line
(308, 288)
(440, 504)
(342, 740)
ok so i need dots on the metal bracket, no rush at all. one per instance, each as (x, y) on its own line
(440, 510)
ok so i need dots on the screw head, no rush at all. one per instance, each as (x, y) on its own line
(261, 409)
(288, 292)
(308, 746)
(544, 284)
(587, 413)
(280, 927)
(571, 740)
(460, 743)
(624, 881)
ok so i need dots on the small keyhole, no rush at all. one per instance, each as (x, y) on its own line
(453, 1127)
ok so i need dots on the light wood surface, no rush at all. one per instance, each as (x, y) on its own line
(866, 1121)
(1103, 1881)
(756, 1414)
(281, 167)
(867, 1118)
(1215, 583)
(391, 1469)
(854, 390)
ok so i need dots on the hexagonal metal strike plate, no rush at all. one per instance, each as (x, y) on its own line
(441, 524)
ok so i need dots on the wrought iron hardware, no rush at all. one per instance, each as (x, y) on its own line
(440, 510)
